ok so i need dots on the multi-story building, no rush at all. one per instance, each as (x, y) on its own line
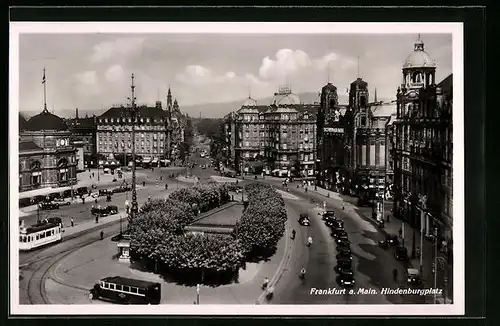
(282, 136)
(334, 141)
(114, 133)
(46, 155)
(228, 128)
(84, 131)
(423, 148)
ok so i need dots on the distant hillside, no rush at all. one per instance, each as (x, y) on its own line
(208, 110)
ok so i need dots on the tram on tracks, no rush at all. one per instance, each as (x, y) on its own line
(38, 235)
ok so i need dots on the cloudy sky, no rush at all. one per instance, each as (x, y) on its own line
(92, 71)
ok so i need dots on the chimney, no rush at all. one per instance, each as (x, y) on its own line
(76, 113)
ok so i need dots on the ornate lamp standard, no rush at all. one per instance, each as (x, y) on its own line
(134, 115)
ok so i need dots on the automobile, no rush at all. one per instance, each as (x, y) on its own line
(118, 190)
(344, 250)
(46, 205)
(392, 239)
(343, 265)
(94, 194)
(203, 166)
(329, 222)
(401, 253)
(82, 191)
(343, 269)
(52, 196)
(304, 220)
(24, 202)
(105, 192)
(344, 255)
(329, 214)
(342, 242)
(346, 279)
(104, 211)
(414, 277)
(338, 224)
(340, 235)
(61, 202)
(53, 220)
(66, 193)
(38, 199)
(338, 228)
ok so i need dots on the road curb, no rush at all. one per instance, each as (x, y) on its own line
(281, 267)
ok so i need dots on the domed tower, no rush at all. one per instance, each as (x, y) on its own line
(419, 69)
(358, 94)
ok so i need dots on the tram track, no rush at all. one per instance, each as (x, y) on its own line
(39, 267)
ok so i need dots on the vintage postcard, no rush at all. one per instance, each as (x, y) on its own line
(236, 168)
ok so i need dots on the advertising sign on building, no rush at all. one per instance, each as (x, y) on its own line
(333, 130)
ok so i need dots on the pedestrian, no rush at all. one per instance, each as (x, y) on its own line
(102, 235)
(83, 199)
(266, 283)
(293, 234)
(90, 297)
(400, 232)
(387, 218)
(72, 222)
(93, 174)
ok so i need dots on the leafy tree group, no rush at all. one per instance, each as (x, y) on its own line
(263, 223)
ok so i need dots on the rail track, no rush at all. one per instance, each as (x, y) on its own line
(37, 266)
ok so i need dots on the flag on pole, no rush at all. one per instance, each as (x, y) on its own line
(43, 79)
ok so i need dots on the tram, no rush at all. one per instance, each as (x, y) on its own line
(126, 290)
(39, 235)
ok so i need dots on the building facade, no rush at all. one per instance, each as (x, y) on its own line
(423, 147)
(47, 157)
(280, 137)
(84, 132)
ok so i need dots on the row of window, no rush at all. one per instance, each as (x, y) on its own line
(128, 135)
(129, 120)
(129, 144)
(122, 288)
(38, 236)
(276, 145)
(283, 127)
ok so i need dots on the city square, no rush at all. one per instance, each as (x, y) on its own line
(339, 193)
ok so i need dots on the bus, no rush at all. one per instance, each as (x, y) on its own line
(126, 290)
(39, 235)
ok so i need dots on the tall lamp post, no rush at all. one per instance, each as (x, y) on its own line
(127, 211)
(134, 115)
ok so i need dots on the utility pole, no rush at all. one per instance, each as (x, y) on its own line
(134, 115)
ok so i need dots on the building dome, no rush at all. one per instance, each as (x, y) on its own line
(250, 102)
(289, 99)
(329, 87)
(46, 121)
(419, 58)
(359, 82)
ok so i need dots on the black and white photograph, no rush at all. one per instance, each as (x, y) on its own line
(236, 168)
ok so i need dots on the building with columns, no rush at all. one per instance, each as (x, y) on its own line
(47, 158)
(423, 146)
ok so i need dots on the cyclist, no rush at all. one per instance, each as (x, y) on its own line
(309, 241)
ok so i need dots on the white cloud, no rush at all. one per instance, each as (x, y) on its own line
(196, 74)
(114, 73)
(119, 47)
(87, 77)
(287, 61)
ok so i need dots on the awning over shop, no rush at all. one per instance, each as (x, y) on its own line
(155, 160)
(146, 160)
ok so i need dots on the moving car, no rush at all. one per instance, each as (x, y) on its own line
(52, 196)
(45, 205)
(105, 192)
(66, 193)
(53, 220)
(414, 277)
(304, 220)
(392, 239)
(401, 253)
(104, 211)
(38, 199)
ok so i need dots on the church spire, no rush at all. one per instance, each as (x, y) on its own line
(44, 92)
(169, 98)
(375, 94)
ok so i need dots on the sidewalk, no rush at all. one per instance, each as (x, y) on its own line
(393, 227)
(81, 269)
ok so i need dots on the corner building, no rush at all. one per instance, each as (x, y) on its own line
(423, 147)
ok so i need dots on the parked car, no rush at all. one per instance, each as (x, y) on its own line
(38, 199)
(401, 253)
(25, 202)
(54, 220)
(105, 192)
(338, 228)
(343, 265)
(66, 193)
(52, 196)
(61, 202)
(392, 239)
(329, 222)
(329, 215)
(82, 191)
(104, 211)
(45, 205)
(344, 250)
(304, 220)
(346, 278)
(344, 255)
(340, 235)
(343, 242)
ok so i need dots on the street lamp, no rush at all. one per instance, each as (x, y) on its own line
(134, 115)
(127, 211)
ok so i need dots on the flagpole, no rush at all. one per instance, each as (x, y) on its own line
(44, 91)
